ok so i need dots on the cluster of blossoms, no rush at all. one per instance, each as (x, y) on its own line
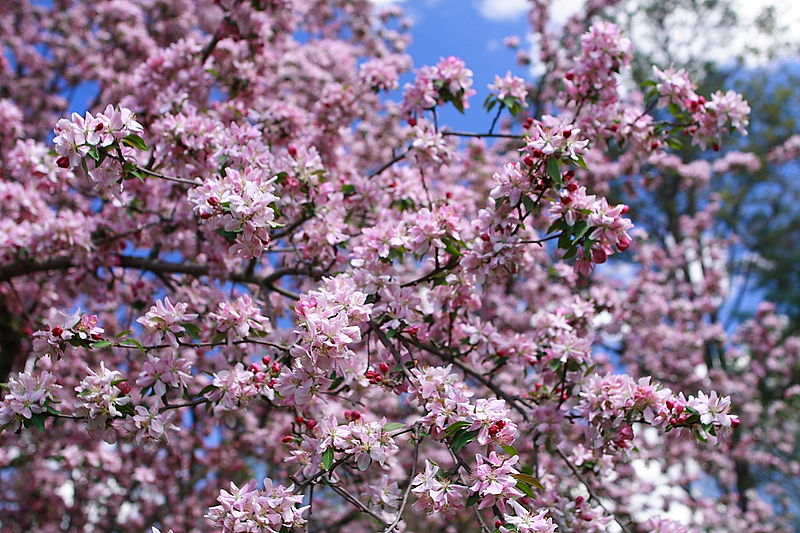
(164, 370)
(77, 328)
(429, 144)
(494, 480)
(164, 318)
(443, 396)
(240, 318)
(28, 395)
(710, 118)
(449, 81)
(550, 137)
(510, 86)
(603, 53)
(327, 324)
(601, 228)
(247, 509)
(364, 441)
(613, 402)
(383, 73)
(446, 400)
(151, 424)
(525, 521)
(436, 492)
(242, 204)
(75, 137)
(234, 388)
(101, 396)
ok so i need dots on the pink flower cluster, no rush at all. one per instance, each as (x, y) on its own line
(525, 521)
(607, 229)
(560, 139)
(603, 53)
(241, 203)
(249, 510)
(165, 319)
(99, 397)
(510, 86)
(449, 80)
(613, 402)
(235, 387)
(364, 441)
(494, 480)
(328, 322)
(28, 395)
(62, 328)
(76, 136)
(240, 318)
(710, 118)
(164, 370)
(437, 493)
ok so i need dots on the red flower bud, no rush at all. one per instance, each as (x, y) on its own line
(287, 439)
(213, 201)
(123, 387)
(63, 161)
(528, 160)
(292, 150)
(383, 367)
(57, 331)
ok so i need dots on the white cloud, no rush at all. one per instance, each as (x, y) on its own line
(503, 9)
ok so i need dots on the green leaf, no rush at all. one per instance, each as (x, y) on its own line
(393, 426)
(135, 141)
(94, 153)
(327, 459)
(581, 163)
(453, 428)
(510, 450)
(132, 342)
(580, 229)
(208, 388)
(101, 344)
(123, 333)
(473, 499)
(36, 421)
(53, 411)
(191, 329)
(529, 479)
(524, 487)
(461, 439)
(348, 189)
(554, 169)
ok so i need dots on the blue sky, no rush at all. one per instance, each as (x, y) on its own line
(466, 29)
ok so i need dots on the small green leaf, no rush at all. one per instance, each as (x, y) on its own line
(453, 428)
(529, 479)
(554, 169)
(580, 229)
(510, 450)
(191, 329)
(393, 426)
(101, 344)
(208, 388)
(461, 439)
(473, 499)
(327, 459)
(135, 141)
